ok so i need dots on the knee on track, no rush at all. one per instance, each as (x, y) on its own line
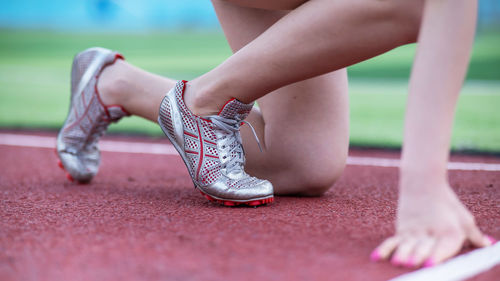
(313, 180)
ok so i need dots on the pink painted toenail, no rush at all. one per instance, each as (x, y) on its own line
(492, 240)
(375, 256)
(410, 262)
(429, 263)
(396, 261)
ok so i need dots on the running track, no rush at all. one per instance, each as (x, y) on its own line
(141, 219)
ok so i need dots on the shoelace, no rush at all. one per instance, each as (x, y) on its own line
(231, 127)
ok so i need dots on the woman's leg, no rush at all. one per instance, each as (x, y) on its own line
(316, 38)
(304, 125)
(137, 90)
(343, 33)
(316, 162)
(305, 135)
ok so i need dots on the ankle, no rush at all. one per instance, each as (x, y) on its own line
(202, 100)
(111, 84)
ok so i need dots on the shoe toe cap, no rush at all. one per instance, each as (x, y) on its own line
(228, 190)
(76, 168)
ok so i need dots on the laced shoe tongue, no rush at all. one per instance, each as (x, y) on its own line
(228, 118)
(234, 109)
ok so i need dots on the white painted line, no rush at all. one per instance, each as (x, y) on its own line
(372, 161)
(104, 145)
(28, 141)
(385, 162)
(167, 149)
(459, 268)
(137, 147)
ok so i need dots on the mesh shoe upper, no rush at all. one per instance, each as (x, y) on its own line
(211, 147)
(88, 118)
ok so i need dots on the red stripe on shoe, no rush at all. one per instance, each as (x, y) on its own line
(184, 82)
(225, 105)
(83, 97)
(191, 135)
(200, 161)
(210, 142)
(99, 97)
(81, 117)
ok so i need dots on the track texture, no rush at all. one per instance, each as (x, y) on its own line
(141, 219)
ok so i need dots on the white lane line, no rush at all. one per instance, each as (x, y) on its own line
(459, 268)
(167, 149)
(385, 162)
(104, 145)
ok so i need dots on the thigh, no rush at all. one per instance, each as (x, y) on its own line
(304, 125)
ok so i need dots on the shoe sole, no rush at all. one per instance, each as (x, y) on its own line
(210, 198)
(253, 203)
(225, 202)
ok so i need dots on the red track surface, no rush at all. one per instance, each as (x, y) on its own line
(141, 219)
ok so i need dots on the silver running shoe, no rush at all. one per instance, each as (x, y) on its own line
(212, 151)
(88, 118)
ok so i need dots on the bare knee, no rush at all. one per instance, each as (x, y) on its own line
(317, 183)
(311, 180)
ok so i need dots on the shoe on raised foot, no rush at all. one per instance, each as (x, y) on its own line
(88, 118)
(212, 151)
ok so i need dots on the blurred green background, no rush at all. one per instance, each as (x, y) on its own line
(35, 67)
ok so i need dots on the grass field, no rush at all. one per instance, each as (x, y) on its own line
(34, 82)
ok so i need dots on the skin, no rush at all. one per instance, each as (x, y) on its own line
(432, 234)
(359, 30)
(323, 43)
(315, 165)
